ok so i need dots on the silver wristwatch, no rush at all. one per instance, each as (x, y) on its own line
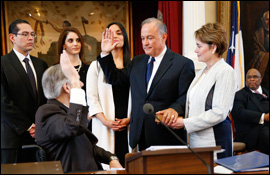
(113, 158)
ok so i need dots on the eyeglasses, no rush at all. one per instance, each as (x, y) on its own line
(254, 77)
(26, 34)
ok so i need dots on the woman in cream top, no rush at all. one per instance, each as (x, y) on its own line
(210, 95)
(109, 105)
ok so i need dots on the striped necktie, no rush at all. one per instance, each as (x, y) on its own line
(149, 70)
(257, 92)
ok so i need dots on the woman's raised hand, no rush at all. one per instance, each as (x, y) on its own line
(107, 44)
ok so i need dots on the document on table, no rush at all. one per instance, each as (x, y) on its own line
(222, 170)
(154, 148)
(251, 161)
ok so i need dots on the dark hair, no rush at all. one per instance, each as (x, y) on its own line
(13, 28)
(62, 38)
(126, 51)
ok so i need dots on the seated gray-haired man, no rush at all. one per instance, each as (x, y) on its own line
(61, 124)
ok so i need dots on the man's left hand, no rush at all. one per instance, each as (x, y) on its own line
(169, 115)
(32, 130)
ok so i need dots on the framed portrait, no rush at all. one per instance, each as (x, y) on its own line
(254, 33)
(48, 18)
(256, 49)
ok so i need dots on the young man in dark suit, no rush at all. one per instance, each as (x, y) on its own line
(21, 93)
(251, 113)
(159, 77)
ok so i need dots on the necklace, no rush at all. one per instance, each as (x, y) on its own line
(78, 67)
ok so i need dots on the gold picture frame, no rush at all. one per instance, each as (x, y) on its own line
(224, 18)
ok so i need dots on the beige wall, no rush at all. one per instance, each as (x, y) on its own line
(210, 11)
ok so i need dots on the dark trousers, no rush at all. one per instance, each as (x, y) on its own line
(263, 140)
(142, 142)
(9, 156)
(223, 137)
(18, 155)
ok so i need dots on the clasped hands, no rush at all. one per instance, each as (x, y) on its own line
(170, 118)
(118, 124)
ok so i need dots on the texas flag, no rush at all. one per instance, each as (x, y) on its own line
(235, 56)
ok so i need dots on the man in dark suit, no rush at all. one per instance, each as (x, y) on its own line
(251, 113)
(166, 91)
(20, 97)
(61, 124)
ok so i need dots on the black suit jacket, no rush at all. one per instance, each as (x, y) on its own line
(83, 73)
(62, 132)
(247, 111)
(168, 90)
(18, 106)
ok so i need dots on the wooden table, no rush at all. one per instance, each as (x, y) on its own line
(54, 167)
(47, 167)
(124, 172)
(103, 172)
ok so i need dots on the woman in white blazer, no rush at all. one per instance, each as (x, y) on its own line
(109, 106)
(210, 95)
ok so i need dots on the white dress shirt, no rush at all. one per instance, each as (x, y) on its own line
(77, 96)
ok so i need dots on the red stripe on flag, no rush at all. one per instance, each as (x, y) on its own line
(233, 61)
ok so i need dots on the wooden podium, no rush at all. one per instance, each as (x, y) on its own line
(171, 161)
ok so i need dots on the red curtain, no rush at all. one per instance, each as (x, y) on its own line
(171, 13)
(141, 10)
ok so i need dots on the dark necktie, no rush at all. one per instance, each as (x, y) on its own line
(149, 70)
(31, 77)
(257, 92)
